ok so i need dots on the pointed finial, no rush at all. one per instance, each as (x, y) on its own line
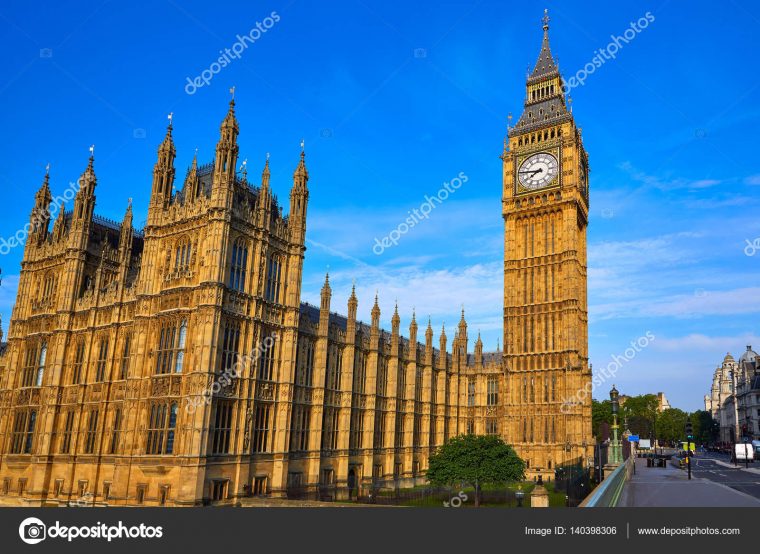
(232, 93)
(546, 19)
(171, 119)
(47, 170)
(244, 169)
(92, 151)
(129, 202)
(265, 173)
(303, 145)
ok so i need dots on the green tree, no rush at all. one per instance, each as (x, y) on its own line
(601, 412)
(706, 429)
(641, 412)
(671, 425)
(476, 460)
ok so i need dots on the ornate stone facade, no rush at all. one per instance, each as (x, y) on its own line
(734, 399)
(177, 365)
(545, 209)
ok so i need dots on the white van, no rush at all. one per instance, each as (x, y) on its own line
(743, 452)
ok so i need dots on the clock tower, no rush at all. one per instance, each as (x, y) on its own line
(545, 208)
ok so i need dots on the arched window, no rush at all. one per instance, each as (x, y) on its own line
(162, 422)
(274, 275)
(126, 356)
(48, 287)
(238, 265)
(34, 365)
(230, 344)
(41, 365)
(183, 254)
(76, 368)
(266, 369)
(170, 354)
(100, 366)
(23, 431)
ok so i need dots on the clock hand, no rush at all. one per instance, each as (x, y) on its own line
(531, 172)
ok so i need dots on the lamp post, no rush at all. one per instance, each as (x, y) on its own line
(616, 454)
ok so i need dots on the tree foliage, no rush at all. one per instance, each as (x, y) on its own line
(601, 412)
(706, 429)
(641, 412)
(476, 460)
(671, 425)
(644, 419)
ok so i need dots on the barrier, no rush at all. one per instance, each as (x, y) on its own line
(607, 494)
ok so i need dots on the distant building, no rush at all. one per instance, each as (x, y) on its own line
(734, 399)
(663, 403)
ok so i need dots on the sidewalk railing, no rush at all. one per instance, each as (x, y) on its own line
(607, 494)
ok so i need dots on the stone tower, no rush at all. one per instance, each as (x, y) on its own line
(545, 210)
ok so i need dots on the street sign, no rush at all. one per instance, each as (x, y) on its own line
(633, 438)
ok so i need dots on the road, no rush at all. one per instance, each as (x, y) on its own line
(719, 469)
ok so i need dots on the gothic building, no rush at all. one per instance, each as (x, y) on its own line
(734, 399)
(177, 365)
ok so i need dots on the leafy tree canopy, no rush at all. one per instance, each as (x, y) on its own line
(476, 460)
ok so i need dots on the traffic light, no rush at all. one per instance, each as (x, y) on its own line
(689, 430)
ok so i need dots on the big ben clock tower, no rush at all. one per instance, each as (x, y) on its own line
(545, 208)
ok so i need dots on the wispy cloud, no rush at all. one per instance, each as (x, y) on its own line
(714, 346)
(664, 182)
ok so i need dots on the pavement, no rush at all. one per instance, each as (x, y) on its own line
(670, 487)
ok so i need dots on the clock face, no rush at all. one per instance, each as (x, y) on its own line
(538, 171)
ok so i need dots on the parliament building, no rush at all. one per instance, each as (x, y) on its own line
(177, 365)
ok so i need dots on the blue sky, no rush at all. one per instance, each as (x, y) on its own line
(393, 100)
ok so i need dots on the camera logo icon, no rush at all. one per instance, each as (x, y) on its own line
(32, 530)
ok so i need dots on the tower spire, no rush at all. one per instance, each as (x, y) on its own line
(545, 65)
(225, 162)
(163, 171)
(265, 174)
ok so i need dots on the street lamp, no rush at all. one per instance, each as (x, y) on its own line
(616, 455)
